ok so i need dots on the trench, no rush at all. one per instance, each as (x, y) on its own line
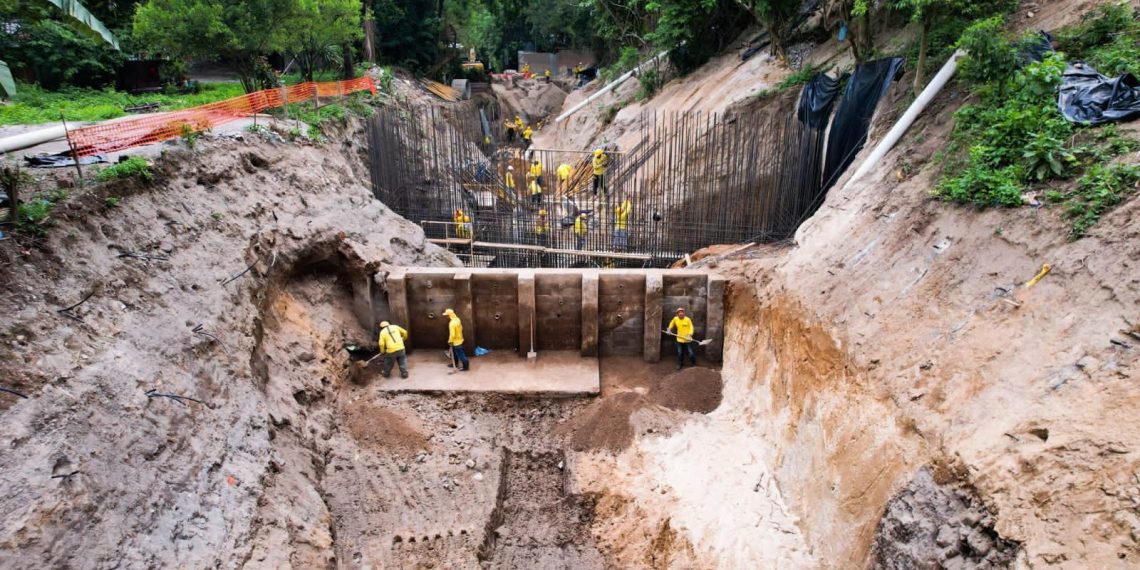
(362, 476)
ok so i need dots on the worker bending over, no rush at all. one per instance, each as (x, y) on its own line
(564, 171)
(455, 341)
(391, 342)
(599, 163)
(684, 327)
(621, 225)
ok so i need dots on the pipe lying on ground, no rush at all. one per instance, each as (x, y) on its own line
(33, 138)
(611, 86)
(932, 89)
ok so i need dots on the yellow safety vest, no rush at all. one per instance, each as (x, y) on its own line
(455, 332)
(623, 215)
(564, 172)
(580, 226)
(511, 181)
(536, 169)
(599, 165)
(392, 339)
(541, 226)
(684, 329)
(527, 133)
(535, 188)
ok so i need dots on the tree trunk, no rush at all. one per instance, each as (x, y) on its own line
(349, 71)
(920, 67)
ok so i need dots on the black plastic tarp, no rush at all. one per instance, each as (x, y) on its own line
(1088, 97)
(849, 129)
(61, 160)
(816, 100)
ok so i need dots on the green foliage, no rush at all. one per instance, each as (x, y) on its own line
(1108, 38)
(55, 54)
(628, 58)
(320, 30)
(33, 104)
(800, 77)
(651, 81)
(1103, 187)
(133, 167)
(990, 56)
(236, 30)
(111, 201)
(189, 135)
(409, 31)
(33, 216)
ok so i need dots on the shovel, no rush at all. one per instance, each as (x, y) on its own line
(532, 355)
(705, 342)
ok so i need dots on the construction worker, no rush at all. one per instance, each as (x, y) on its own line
(510, 181)
(536, 170)
(462, 224)
(684, 327)
(564, 171)
(542, 229)
(581, 227)
(391, 342)
(526, 70)
(547, 75)
(599, 163)
(621, 225)
(518, 123)
(527, 133)
(535, 192)
(455, 341)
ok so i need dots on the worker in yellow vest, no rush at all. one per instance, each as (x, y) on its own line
(684, 336)
(509, 179)
(599, 164)
(391, 343)
(536, 170)
(462, 224)
(542, 229)
(535, 192)
(455, 341)
(527, 133)
(564, 171)
(621, 225)
(509, 126)
(581, 227)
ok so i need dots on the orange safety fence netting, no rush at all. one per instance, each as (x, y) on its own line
(118, 135)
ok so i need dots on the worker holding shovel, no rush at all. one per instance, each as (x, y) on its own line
(392, 339)
(455, 341)
(684, 335)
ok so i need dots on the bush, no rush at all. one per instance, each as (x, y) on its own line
(1103, 187)
(133, 167)
(1098, 27)
(990, 56)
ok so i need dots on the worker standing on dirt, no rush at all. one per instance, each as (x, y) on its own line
(599, 163)
(510, 126)
(564, 171)
(455, 341)
(542, 229)
(535, 192)
(621, 225)
(527, 133)
(391, 342)
(581, 227)
(510, 181)
(684, 327)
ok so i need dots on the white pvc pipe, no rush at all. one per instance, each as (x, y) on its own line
(611, 86)
(32, 138)
(908, 118)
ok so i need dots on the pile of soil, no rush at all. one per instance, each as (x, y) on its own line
(379, 428)
(691, 390)
(605, 423)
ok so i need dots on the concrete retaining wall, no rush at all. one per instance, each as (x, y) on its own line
(611, 312)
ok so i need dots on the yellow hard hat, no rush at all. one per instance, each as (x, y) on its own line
(449, 312)
(542, 212)
(679, 310)
(383, 324)
(597, 152)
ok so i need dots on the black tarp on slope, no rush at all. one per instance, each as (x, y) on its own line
(816, 100)
(1091, 98)
(849, 129)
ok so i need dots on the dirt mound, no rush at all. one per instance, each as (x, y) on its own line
(691, 390)
(605, 424)
(374, 427)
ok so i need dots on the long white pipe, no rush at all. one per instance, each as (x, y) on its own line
(33, 138)
(611, 86)
(909, 117)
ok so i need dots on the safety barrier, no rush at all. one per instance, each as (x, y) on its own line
(118, 135)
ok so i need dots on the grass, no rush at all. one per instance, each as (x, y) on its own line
(33, 105)
(133, 167)
(1098, 191)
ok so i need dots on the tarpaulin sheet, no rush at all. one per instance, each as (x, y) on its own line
(849, 129)
(816, 100)
(1088, 97)
(61, 160)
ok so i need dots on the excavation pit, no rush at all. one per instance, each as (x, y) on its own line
(555, 373)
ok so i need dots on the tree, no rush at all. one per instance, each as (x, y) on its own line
(320, 31)
(239, 31)
(36, 11)
(775, 15)
(930, 13)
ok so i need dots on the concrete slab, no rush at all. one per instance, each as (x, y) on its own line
(554, 373)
